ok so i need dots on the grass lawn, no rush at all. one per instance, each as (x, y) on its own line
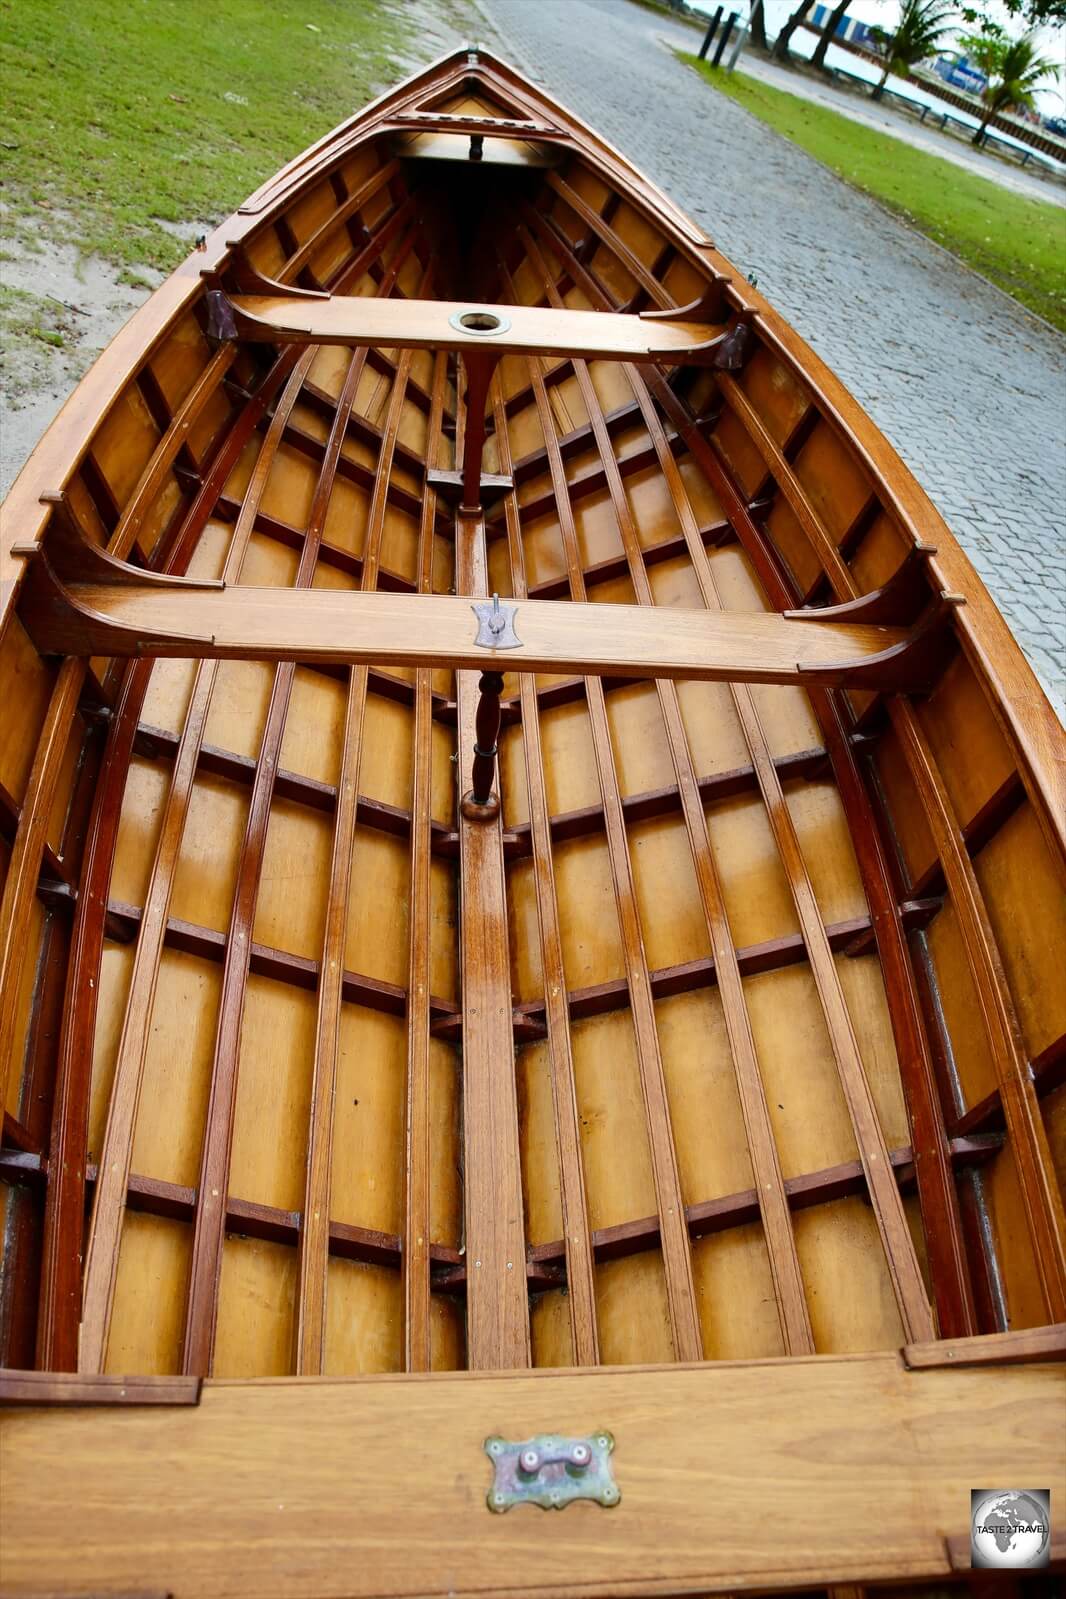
(120, 115)
(1018, 243)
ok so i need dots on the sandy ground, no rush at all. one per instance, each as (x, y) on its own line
(86, 306)
(81, 302)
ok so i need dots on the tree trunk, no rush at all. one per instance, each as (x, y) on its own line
(757, 25)
(784, 37)
(879, 91)
(979, 135)
(829, 34)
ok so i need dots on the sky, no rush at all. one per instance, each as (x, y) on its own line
(1050, 101)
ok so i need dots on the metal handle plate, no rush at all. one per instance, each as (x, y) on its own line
(552, 1471)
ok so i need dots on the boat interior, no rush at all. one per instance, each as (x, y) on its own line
(718, 1016)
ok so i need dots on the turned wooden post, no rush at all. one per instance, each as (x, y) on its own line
(480, 803)
(480, 365)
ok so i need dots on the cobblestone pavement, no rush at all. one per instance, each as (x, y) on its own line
(969, 388)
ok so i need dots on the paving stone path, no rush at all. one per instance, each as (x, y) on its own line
(967, 385)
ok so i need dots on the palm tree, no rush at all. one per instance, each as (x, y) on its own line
(829, 34)
(782, 42)
(757, 25)
(922, 25)
(1017, 74)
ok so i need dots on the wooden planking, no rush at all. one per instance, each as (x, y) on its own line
(208, 1232)
(351, 1525)
(945, 1245)
(677, 1258)
(64, 1207)
(899, 1249)
(206, 1263)
(20, 886)
(574, 1204)
(780, 1242)
(417, 1212)
(497, 1318)
(21, 881)
(1041, 1197)
(61, 1286)
(102, 1256)
(314, 1239)
(1045, 1214)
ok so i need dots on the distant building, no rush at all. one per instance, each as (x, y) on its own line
(848, 28)
(960, 73)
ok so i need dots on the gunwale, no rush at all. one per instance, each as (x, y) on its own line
(429, 1270)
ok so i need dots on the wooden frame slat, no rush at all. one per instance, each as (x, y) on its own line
(61, 1285)
(314, 1238)
(677, 1256)
(416, 1235)
(577, 1232)
(209, 1225)
(796, 1332)
(1045, 1213)
(497, 1313)
(909, 1290)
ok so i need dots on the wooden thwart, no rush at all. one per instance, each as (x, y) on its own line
(158, 618)
(465, 326)
(202, 1484)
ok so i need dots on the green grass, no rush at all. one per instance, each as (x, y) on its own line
(1018, 243)
(121, 114)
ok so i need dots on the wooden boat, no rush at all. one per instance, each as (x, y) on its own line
(664, 1111)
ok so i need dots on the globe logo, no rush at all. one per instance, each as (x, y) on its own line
(1010, 1529)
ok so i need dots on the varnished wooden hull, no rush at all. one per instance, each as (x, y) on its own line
(736, 1036)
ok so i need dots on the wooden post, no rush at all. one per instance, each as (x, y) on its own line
(480, 803)
(724, 40)
(479, 370)
(712, 29)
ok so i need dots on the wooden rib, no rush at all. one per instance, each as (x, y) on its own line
(937, 1195)
(1045, 1214)
(417, 1213)
(60, 1306)
(900, 1257)
(279, 965)
(577, 1235)
(902, 1263)
(793, 1317)
(314, 1237)
(24, 867)
(1041, 1197)
(209, 1227)
(355, 202)
(599, 998)
(497, 1315)
(741, 1209)
(592, 219)
(677, 1257)
(545, 1263)
(117, 1151)
(20, 887)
